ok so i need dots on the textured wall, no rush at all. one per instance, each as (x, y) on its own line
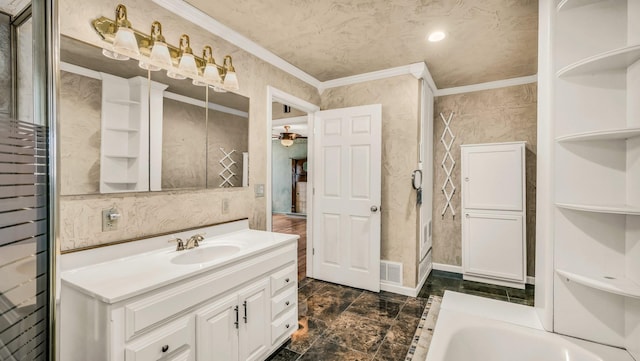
(184, 140)
(229, 132)
(79, 129)
(5, 66)
(150, 213)
(281, 175)
(399, 97)
(491, 116)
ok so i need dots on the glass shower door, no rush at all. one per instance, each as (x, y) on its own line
(24, 196)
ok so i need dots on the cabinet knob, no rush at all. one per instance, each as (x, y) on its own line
(287, 325)
(286, 303)
(287, 280)
(165, 348)
(466, 179)
(467, 215)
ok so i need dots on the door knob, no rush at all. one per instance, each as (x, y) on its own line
(374, 209)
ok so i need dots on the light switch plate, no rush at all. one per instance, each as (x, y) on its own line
(107, 223)
(259, 190)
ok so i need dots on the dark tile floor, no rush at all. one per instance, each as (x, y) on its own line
(338, 323)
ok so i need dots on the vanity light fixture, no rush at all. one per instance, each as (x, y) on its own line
(153, 53)
(160, 57)
(210, 71)
(125, 42)
(187, 63)
(436, 36)
(230, 80)
(287, 138)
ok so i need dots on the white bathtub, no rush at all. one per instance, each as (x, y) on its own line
(471, 328)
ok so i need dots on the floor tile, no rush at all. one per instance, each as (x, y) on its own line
(357, 333)
(390, 351)
(324, 350)
(328, 303)
(284, 354)
(309, 330)
(373, 307)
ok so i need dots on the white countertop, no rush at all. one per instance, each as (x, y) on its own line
(118, 279)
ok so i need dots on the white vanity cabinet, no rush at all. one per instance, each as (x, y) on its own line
(235, 327)
(243, 309)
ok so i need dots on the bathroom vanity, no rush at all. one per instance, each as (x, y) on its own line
(232, 298)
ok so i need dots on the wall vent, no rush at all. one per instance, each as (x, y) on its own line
(391, 272)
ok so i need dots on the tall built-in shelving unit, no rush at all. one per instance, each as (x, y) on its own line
(124, 134)
(596, 175)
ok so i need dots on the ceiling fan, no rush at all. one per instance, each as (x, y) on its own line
(287, 137)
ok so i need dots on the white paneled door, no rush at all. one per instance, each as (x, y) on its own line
(346, 215)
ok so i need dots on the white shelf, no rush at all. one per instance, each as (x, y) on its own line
(618, 286)
(610, 134)
(128, 156)
(128, 130)
(571, 4)
(123, 101)
(614, 209)
(618, 59)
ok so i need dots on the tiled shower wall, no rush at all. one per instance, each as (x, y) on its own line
(490, 116)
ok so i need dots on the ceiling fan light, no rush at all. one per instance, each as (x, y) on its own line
(286, 142)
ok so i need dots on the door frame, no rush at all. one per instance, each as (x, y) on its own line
(277, 95)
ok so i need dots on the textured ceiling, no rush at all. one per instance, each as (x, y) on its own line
(486, 40)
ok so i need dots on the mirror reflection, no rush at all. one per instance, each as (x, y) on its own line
(125, 130)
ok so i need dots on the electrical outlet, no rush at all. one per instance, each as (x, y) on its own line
(225, 206)
(110, 218)
(259, 190)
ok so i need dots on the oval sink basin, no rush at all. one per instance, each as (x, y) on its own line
(205, 254)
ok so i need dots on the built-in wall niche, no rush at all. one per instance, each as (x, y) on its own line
(124, 129)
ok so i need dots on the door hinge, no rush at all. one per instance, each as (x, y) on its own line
(313, 251)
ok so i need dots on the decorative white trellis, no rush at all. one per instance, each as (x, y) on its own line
(448, 163)
(227, 174)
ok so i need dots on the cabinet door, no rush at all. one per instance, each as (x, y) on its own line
(217, 331)
(255, 316)
(493, 245)
(492, 177)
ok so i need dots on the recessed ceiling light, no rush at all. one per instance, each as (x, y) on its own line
(436, 36)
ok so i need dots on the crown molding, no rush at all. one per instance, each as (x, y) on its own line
(487, 86)
(194, 15)
(418, 70)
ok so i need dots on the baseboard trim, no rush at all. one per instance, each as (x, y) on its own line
(458, 269)
(402, 290)
(447, 268)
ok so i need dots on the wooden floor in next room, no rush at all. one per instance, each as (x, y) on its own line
(294, 225)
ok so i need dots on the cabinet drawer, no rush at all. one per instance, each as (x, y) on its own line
(283, 278)
(284, 302)
(164, 341)
(284, 326)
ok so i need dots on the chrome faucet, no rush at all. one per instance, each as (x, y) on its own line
(194, 241)
(179, 243)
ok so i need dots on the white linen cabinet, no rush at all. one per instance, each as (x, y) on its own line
(493, 213)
